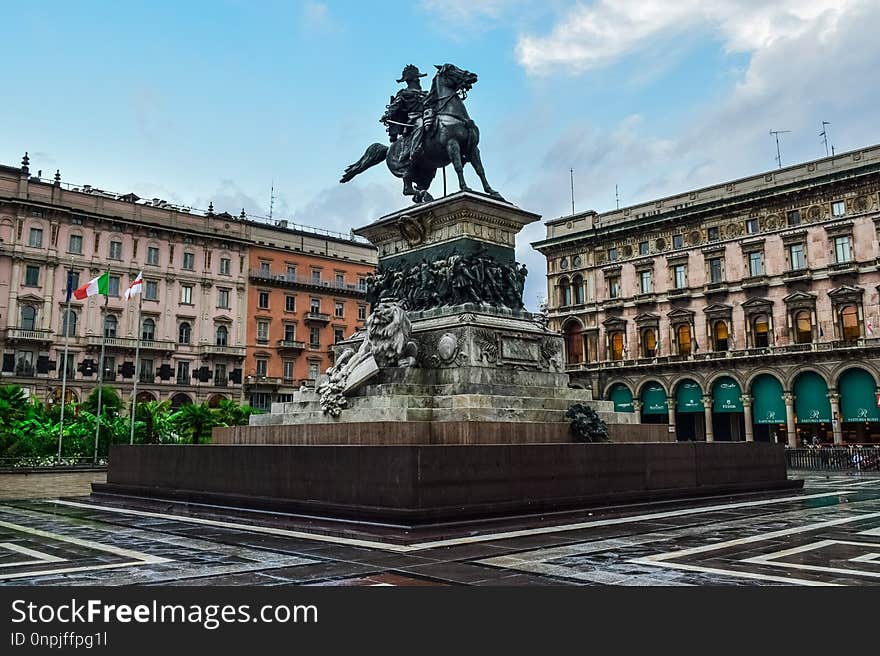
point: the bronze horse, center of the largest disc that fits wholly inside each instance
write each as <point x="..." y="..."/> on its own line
<point x="452" y="138"/>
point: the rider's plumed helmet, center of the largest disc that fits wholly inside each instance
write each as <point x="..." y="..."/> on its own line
<point x="410" y="72"/>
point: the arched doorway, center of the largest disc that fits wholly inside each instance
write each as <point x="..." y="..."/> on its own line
<point x="728" y="418"/>
<point x="768" y="409"/>
<point x="179" y="400"/>
<point x="655" y="409"/>
<point x="622" y="397"/>
<point x="214" y="401"/>
<point x="859" y="414"/>
<point x="574" y="343"/>
<point x="812" y="409"/>
<point x="690" y="423"/>
<point x="143" y="397"/>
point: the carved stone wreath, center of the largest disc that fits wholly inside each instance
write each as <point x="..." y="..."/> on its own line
<point x="488" y="345"/>
<point x="550" y="348"/>
<point x="441" y="350"/>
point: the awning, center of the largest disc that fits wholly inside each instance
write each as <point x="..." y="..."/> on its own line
<point x="811" y="404"/>
<point x="654" y="400"/>
<point x="858" y="397"/>
<point x="688" y="397"/>
<point x="726" y="396"/>
<point x="622" y="397"/>
<point x="768" y="406"/>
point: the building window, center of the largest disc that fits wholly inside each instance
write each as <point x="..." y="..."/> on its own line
<point x="184" y="332"/>
<point x="115" y="252"/>
<point x="716" y="269"/>
<point x="314" y="337"/>
<point x="153" y="255"/>
<point x="612" y="254"/>
<point x="679" y="275"/>
<point x="208" y="259"/>
<point x="291" y="273"/>
<point x="614" y="287"/>
<point x="75" y="244"/>
<point x="714" y="233"/>
<point x="223" y="298"/>
<point x="222" y="335"/>
<point x="578" y="287"/>
<point x="838" y="208"/>
<point x="28" y="317"/>
<point x="31" y="276"/>
<point x="220" y="378"/>
<point x="264" y="268"/>
<point x="683" y="333"/>
<point x="290" y="303"/>
<point x="151" y="290"/>
<point x="148" y="331"/>
<point x="616" y="340"/>
<point x="110" y="324"/>
<point x="849" y="323"/>
<point x="362" y="312"/>
<point x="315" y="307"/>
<point x="362" y="284"/>
<point x="340" y="280"/>
<point x="338" y="310"/>
<point x="189" y="261"/>
<point x="756" y="263"/>
<point x="68" y="323"/>
<point x="797" y="256"/>
<point x="313" y="370"/>
<point x="262" y="367"/>
<point x="109" y="367"/>
<point x="644" y="249"/>
<point x="843" y="249"/>
<point x="289" y="332"/>
<point x="182" y="372"/>
<point x="186" y="294"/>
<point x="794" y="217"/>
<point x="288" y="371"/>
<point x="752" y="226"/>
<point x="803" y="327"/>
<point x="262" y="332"/>
<point x="677" y="241"/>
<point x="316" y="276"/>
<point x="113" y="286"/>
<point x="71" y="365"/>
<point x="564" y="292"/>
<point x="649" y="343"/>
<point x="338" y="335"/>
<point x="35" y="239"/>
<point x="645" y="283"/>
<point x="761" y="325"/>
<point x="147" y="375"/>
<point x="720" y="335"/>
<point x="225" y="266"/>
<point x="263" y="300"/>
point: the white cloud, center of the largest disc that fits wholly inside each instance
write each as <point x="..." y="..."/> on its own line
<point x="592" y="36"/>
<point x="469" y="11"/>
<point x="316" y="15"/>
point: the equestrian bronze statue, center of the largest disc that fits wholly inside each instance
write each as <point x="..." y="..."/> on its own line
<point x="427" y="131"/>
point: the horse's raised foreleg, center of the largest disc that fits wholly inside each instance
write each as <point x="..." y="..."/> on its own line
<point x="477" y="163"/>
<point x="454" y="150"/>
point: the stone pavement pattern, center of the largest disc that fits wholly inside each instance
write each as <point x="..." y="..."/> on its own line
<point x="828" y="534"/>
<point x="44" y="485"/>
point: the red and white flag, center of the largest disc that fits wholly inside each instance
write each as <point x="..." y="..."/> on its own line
<point x="136" y="286"/>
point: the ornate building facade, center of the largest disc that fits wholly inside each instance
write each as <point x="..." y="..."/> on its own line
<point x="306" y="291"/>
<point x="742" y="311"/>
<point x="199" y="302"/>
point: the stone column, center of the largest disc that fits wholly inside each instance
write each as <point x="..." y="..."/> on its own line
<point x="747" y="412"/>
<point x="836" y="427"/>
<point x="788" y="397"/>
<point x="48" y="312"/>
<point x="637" y="409"/>
<point x="670" y="405"/>
<point x="12" y="318"/>
<point x="707" y="413"/>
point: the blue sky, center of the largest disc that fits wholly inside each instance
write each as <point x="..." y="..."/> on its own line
<point x="213" y="101"/>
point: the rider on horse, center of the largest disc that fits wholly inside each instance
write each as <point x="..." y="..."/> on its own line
<point x="405" y="115"/>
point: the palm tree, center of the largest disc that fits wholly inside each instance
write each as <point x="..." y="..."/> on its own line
<point x="196" y="419"/>
<point x="154" y="416"/>
<point x="232" y="414"/>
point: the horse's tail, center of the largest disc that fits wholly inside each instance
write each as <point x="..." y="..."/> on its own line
<point x="373" y="155"/>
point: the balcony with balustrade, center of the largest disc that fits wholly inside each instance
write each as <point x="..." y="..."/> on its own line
<point x="129" y="343"/>
<point x="217" y="350"/>
<point x="25" y="335"/>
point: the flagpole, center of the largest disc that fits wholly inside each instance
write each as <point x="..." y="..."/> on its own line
<point x="137" y="365"/>
<point x="101" y="375"/>
<point x="65" y="324"/>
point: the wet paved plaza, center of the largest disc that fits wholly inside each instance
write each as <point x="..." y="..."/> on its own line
<point x="828" y="534"/>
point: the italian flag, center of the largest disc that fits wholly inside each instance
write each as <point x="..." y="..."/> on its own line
<point x="99" y="285"/>
<point x="135" y="287"/>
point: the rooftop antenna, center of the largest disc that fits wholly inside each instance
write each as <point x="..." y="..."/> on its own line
<point x="824" y="135"/>
<point x="571" y="174"/>
<point x="271" y="200"/>
<point x="776" y="134"/>
<point x="616" y="197"/>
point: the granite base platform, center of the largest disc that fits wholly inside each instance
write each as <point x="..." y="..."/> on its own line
<point x="416" y="484"/>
